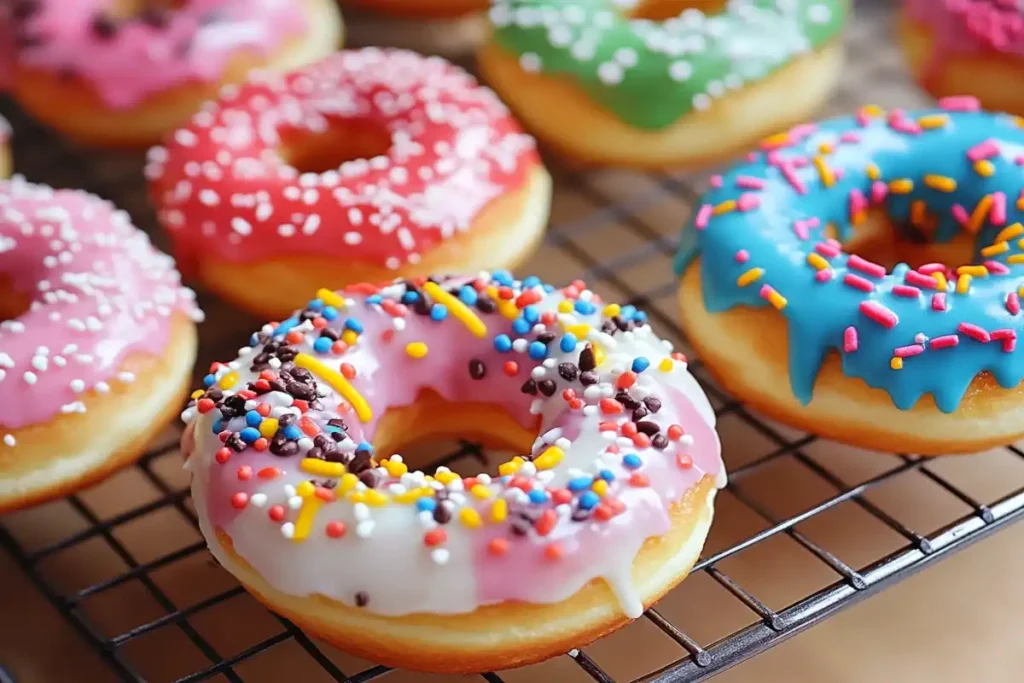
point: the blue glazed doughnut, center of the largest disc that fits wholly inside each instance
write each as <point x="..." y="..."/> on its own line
<point x="771" y="233"/>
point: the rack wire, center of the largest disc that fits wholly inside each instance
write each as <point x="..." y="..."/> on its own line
<point x="596" y="213"/>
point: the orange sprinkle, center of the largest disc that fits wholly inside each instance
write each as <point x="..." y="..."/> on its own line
<point x="994" y="249"/>
<point x="497" y="546"/>
<point x="980" y="213"/>
<point x="553" y="551"/>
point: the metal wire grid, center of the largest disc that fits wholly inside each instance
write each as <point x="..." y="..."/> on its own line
<point x="44" y="157"/>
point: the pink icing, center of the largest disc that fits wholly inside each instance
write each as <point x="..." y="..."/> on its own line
<point x="126" y="60"/>
<point x="99" y="291"/>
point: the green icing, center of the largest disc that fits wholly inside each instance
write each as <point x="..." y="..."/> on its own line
<point x="651" y="73"/>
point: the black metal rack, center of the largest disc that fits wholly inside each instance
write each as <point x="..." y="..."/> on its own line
<point x="874" y="72"/>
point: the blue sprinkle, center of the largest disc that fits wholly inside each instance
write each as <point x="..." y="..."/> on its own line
<point x="589" y="500"/>
<point x="426" y="504"/>
<point x="502" y="343"/>
<point x="209" y="380"/>
<point x="218" y="426"/>
<point x="364" y="446"/>
<point x="549" y="288"/>
<point x="538" y="351"/>
<point x="354" y="325"/>
<point x="315" y="304"/>
<point x="607" y="475"/>
<point x="410" y="297"/>
<point x="568" y="343"/>
<point x="329" y="312"/>
<point x="538" y="496"/>
<point x="438" y="312"/>
<point x="253" y="419"/>
<point x="292" y="432"/>
<point x="503" y="277"/>
<point x="640" y="317"/>
<point x="584" y="307"/>
<point x="374" y="299"/>
<point x="632" y="461"/>
<point x="521" y="326"/>
<point x="531" y="313"/>
<point x="640" y="364"/>
<point x="285" y="327"/>
<point x="254" y="339"/>
<point x="627" y="312"/>
<point x="531" y="281"/>
<point x="249" y="434"/>
<point x="468" y="295"/>
<point x="580" y="484"/>
<point x="322" y="345"/>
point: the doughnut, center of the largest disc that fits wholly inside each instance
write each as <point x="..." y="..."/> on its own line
<point x="903" y="229"/>
<point x="662" y="86"/>
<point x="299" y="492"/>
<point x="97" y="341"/>
<point x="124" y="73"/>
<point x="967" y="46"/>
<point x="382" y="162"/>
<point x="422" y="9"/>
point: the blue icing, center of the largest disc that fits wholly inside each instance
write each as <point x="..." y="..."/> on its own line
<point x="818" y="313"/>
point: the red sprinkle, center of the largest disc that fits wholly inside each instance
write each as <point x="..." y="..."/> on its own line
<point x="521" y="483"/>
<point x="607" y="427"/>
<point x="879" y="313"/>
<point x="907" y="291"/>
<point x="261" y="444"/>
<point x="576" y="404"/>
<point x="323" y="494"/>
<point x="908" y="351"/>
<point x="239" y="500"/>
<point x="348" y="371"/>
<point x="857" y="282"/>
<point x="684" y="461"/>
<point x="336" y="529"/>
<point x="263" y="409"/>
<point x="742" y="256"/>
<point x="609" y="406"/>
<point x="675" y="432"/>
<point x="944" y="342"/>
<point x="294" y="337"/>
<point x="244" y="473"/>
<point x="1013" y="303"/>
<point x="246" y="394"/>
<point x="511" y="368"/>
<point x="223" y="455"/>
<point x="205" y="405"/>
<point x="642" y="441"/>
<point x="553" y="551"/>
<point x="549" y="318"/>
<point x="546" y="522"/>
<point x="303" y="406"/>
<point x="528" y="297"/>
<point x="629" y="429"/>
<point x="276" y="512"/>
<point x="569" y="394"/>
<point x="626" y="380"/>
<point x="269" y="473"/>
<point x="865" y="266"/>
<point x="638" y="480"/>
<point x="435" y="537"/>
<point x="939" y="301"/>
<point x="561" y="496"/>
<point x="850" y="340"/>
<point x="497" y="546"/>
<point x="308" y="427"/>
<point x="974" y="332"/>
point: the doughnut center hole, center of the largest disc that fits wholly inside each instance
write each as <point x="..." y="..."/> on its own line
<point x="660" y="10"/>
<point x="13" y="302"/>
<point x="887" y="243"/>
<point x="343" y="140"/>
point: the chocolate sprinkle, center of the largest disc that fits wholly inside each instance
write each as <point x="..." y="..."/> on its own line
<point x="529" y="387"/>
<point x="362" y="599"/>
<point x="653" y="404"/>
<point x="442" y="513"/>
<point x="547" y="387"/>
<point x="588" y="378"/>
<point x="568" y="372"/>
<point x="587" y="360"/>
<point x="660" y="442"/>
<point x="370" y="477"/>
<point x="477" y="369"/>
<point x="648" y="428"/>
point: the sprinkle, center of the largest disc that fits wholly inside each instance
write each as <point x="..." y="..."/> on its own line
<point x="944" y="342"/>
<point x="907" y="291"/>
<point x="748" y="202"/>
<point x="1013" y="303"/>
<point x="304" y="522"/>
<point x="497" y="547"/>
<point x="336" y="529"/>
<point x="908" y="351"/>
<point x="746" y="182"/>
<point x="749" y="277"/>
<point x="703" y="216"/>
<point x="828" y="176"/>
<point x="932" y="121"/>
<point x="939" y="301"/>
<point x="857" y="282"/>
<point x="725" y="207"/>
<point x="229" y="380"/>
<point x="980" y="213"/>
<point x="965" y="103"/>
<point x="338" y="383"/>
<point x="1010" y="232"/>
<point x="913" y="277"/>
<point x="879" y="191"/>
<point x="331" y="299"/>
<point x="998" y="214"/>
<point x="896" y="363"/>
<point x="322" y="468"/>
<point x="996" y="249"/>
<point x="499" y="510"/>
<point x="416" y="349"/>
<point x="470" y="518"/>
<point x="879" y="314"/>
<point x="973" y="271"/>
<point x="1015" y="259"/>
<point x="872" y="170"/>
<point x="850" y="340"/>
<point x="549" y="459"/>
<point x="866" y="266"/>
<point x="963" y="284"/>
<point x="435" y="537"/>
<point x="773" y="297"/>
<point x="901" y="186"/>
<point x="985" y="168"/>
<point x="974" y="332"/>
<point x="817" y="260"/>
<point x="459" y="310"/>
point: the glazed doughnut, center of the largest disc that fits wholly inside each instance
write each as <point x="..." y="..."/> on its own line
<point x="662" y="86"/>
<point x="300" y="496"/>
<point x="125" y="73"/>
<point x="97" y="341"/>
<point x="422" y="9"/>
<point x="370" y="164"/>
<point x="967" y="46"/>
<point x="833" y="256"/>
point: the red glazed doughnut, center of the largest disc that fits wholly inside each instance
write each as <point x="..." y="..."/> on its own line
<point x="440" y="178"/>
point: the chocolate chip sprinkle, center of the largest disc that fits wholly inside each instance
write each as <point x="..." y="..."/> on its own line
<point x="362" y="599"/>
<point x="648" y="428"/>
<point x="547" y="387"/>
<point x="568" y="372"/>
<point x="660" y="442"/>
<point x="587" y="359"/>
<point x="588" y="378"/>
<point x="529" y="387"/>
<point x="653" y="404"/>
<point x="477" y="369"/>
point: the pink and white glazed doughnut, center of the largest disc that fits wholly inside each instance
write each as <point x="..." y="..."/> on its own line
<point x="973" y="47"/>
<point x="97" y="341"/>
<point x="124" y="72"/>
<point x="299" y="493"/>
<point x="369" y="164"/>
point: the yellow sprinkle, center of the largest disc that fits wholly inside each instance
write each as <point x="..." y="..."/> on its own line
<point x="1017" y="258"/>
<point x="511" y="467"/>
<point x="357" y="497"/>
<point x="549" y="458"/>
<point x="817" y="260"/>
<point x="896" y="363"/>
<point x="994" y="249"/>
<point x="1020" y="243"/>
<point x="901" y="186"/>
<point x="197" y="393"/>
<point x="963" y="284"/>
<point x="933" y="121"/>
<point x="268" y="427"/>
<point x="941" y="183"/>
<point x="826" y="148"/>
<point x="776" y="139"/>
<point x="350" y="337"/>
<point x="1009" y="232"/>
<point x="828" y="176"/>
<point x="229" y="380"/>
<point x="338" y="383"/>
<point x="599" y="355"/>
<point x="499" y="511"/>
<point x="611" y="310"/>
<point x="973" y="271"/>
<point x="395" y="468"/>
<point x="412" y="495"/>
<point x="416" y="349"/>
<point x="918" y="212"/>
<point x="331" y="299"/>
<point x="579" y="331"/>
<point x="1020" y="292"/>
<point x="1020" y="202"/>
<point x="666" y="365"/>
<point x="304" y="520"/>
<point x="446" y="477"/>
<point x="321" y="468"/>
<point x="375" y="498"/>
<point x="480" y="491"/>
<point x="725" y="207"/>
<point x="873" y="171"/>
<point x="941" y="279"/>
<point x="565" y="306"/>
<point x="777" y="300"/>
<point x="750" y="277"/>
<point x="985" y="168"/>
<point x="470" y="518"/>
<point x="1019" y="120"/>
<point x="980" y="213"/>
<point x="347" y="483"/>
<point x="458" y="310"/>
<point x="872" y="110"/>
<point x="600" y="487"/>
<point x="305" y="489"/>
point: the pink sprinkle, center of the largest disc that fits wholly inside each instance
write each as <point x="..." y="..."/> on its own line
<point x="983" y="150"/>
<point x="838" y="173"/>
<point x="857" y="282"/>
<point x="746" y="182"/>
<point x="997" y="216"/>
<point x="902" y="125"/>
<point x="904" y="290"/>
<point x="944" y="342"/>
<point x="792" y="178"/>
<point x="803" y="130"/>
<point x="1013" y="303"/>
<point x="800" y="228"/>
<point x="1008" y="337"/>
<point x="703" y="217"/>
<point x="823" y="275"/>
<point x="996" y="268"/>
<point x="827" y="250"/>
<point x="908" y="351"/>
<point x="850" y="341"/>
<point x="858" y="202"/>
<point x="960" y="103"/>
<point x="850" y="136"/>
<point x="800" y="162"/>
<point x="939" y="301"/>
<point x="863" y="119"/>
<point x="1019" y="160"/>
<point x="742" y="256"/>
<point x="775" y="159"/>
<point x="879" y="191"/>
<point x="960" y="214"/>
<point x="751" y="157"/>
<point x="748" y="201"/>
<point x="915" y="278"/>
<point x="865" y="266"/>
<point x="930" y="268"/>
<point x="716" y="181"/>
<point x="974" y="332"/>
<point x="879" y="313"/>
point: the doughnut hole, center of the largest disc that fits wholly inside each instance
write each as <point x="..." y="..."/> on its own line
<point x="342" y="140"/>
<point x="13" y="302"/>
<point x="659" y="10"/>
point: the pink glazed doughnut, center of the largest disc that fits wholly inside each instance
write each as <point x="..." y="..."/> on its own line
<point x="97" y="341"/>
<point x="119" y="73"/>
<point x="299" y="494"/>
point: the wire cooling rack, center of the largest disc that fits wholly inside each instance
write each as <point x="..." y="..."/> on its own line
<point x="617" y="230"/>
